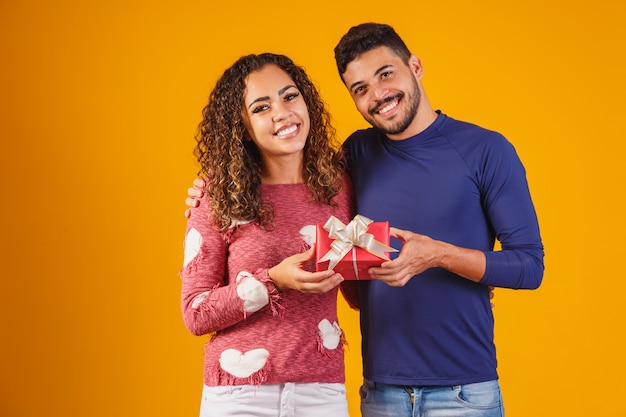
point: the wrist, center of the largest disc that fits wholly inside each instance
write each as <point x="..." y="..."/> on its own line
<point x="271" y="273"/>
<point x="445" y="255"/>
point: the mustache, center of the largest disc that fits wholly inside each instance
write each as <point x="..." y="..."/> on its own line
<point x="381" y="103"/>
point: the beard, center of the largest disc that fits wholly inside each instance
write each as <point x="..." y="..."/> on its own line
<point x="391" y="127"/>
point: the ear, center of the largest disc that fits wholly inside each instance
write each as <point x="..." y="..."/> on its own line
<point x="416" y="66"/>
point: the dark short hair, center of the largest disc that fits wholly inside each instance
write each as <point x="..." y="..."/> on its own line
<point x="365" y="37"/>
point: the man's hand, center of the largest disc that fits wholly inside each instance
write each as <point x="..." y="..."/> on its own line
<point x="419" y="253"/>
<point x="193" y="195"/>
<point x="289" y="274"/>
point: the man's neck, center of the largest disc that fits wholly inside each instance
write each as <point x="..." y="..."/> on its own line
<point x="425" y="117"/>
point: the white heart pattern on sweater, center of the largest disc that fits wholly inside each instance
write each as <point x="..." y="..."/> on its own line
<point x="193" y="242"/>
<point x="253" y="293"/>
<point x="242" y="365"/>
<point x="308" y="234"/>
<point x="330" y="333"/>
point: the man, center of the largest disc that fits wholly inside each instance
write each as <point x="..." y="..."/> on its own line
<point x="450" y="189"/>
<point x="456" y="187"/>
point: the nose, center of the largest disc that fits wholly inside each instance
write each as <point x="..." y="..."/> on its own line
<point x="280" y="111"/>
<point x="379" y="92"/>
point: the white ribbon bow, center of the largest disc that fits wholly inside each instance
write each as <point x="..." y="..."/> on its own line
<point x="349" y="236"/>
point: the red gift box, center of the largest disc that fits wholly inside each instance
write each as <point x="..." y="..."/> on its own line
<point x="363" y="243"/>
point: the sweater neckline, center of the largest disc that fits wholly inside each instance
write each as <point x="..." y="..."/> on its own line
<point x="426" y="134"/>
<point x="285" y="185"/>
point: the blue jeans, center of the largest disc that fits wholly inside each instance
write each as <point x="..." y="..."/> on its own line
<point x="482" y="399"/>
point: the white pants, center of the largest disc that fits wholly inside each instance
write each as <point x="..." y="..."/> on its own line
<point x="275" y="400"/>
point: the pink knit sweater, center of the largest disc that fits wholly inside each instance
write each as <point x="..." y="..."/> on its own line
<point x="260" y="335"/>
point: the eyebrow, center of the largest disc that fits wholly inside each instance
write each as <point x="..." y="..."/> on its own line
<point x="378" y="71"/>
<point x="280" y="93"/>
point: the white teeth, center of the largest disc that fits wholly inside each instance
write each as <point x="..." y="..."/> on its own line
<point x="388" y="107"/>
<point x="287" y="131"/>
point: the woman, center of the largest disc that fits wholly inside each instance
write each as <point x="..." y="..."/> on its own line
<point x="272" y="173"/>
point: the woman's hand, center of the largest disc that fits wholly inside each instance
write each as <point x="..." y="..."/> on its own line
<point x="289" y="274"/>
<point x="194" y="194"/>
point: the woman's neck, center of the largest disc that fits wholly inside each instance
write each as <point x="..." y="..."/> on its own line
<point x="282" y="171"/>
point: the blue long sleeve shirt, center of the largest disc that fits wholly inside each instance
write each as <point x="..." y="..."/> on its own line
<point x="465" y="185"/>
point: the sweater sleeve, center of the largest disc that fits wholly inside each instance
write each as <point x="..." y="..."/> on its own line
<point x="510" y="209"/>
<point x="210" y="301"/>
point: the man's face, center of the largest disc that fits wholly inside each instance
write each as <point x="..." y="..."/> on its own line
<point x="385" y="90"/>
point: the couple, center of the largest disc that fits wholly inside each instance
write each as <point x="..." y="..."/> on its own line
<point x="272" y="171"/>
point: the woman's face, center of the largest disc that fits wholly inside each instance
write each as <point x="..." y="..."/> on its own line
<point x="275" y="113"/>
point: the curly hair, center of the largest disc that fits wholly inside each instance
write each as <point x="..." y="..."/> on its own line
<point x="231" y="165"/>
<point x="365" y="37"/>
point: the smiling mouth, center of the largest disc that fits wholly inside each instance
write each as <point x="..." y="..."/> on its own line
<point x="387" y="105"/>
<point x="286" y="131"/>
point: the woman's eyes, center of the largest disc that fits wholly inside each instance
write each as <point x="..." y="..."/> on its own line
<point x="287" y="97"/>
<point x="291" y="96"/>
<point x="260" y="108"/>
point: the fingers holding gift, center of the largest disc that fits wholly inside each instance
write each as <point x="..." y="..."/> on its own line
<point x="289" y="274"/>
<point x="418" y="253"/>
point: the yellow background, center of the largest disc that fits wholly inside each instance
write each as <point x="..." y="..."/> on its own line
<point x="99" y="102"/>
